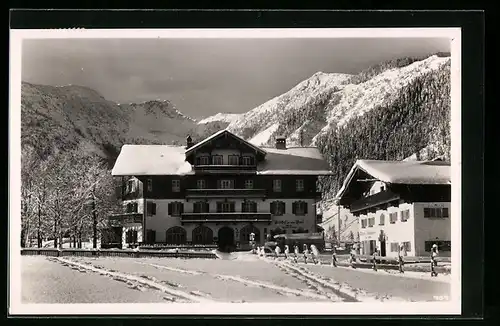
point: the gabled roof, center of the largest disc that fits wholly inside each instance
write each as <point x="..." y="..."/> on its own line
<point x="294" y="160"/>
<point x="151" y="160"/>
<point x="219" y="133"/>
<point x="401" y="172"/>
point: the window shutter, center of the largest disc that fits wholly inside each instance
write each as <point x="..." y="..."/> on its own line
<point x="254" y="207"/>
<point x="446" y="213"/>
<point x="127" y="237"/>
<point x="294" y="207"/>
<point x="207" y="207"/>
<point x="219" y="184"/>
<point x="181" y="207"/>
<point x="170" y="209"/>
<point x="153" y="236"/>
<point x="243" y="206"/>
<point x="153" y="208"/>
<point x="232" y="207"/>
<point x="272" y="207"/>
<point x="282" y="204"/>
<point x="305" y="207"/>
<point x="240" y="160"/>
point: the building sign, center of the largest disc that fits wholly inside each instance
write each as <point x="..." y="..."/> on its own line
<point x="367" y="235"/>
<point x="288" y="224"/>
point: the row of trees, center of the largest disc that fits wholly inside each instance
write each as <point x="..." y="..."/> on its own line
<point x="418" y="117"/>
<point x="64" y="194"/>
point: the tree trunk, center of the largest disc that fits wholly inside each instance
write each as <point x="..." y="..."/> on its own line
<point x="74" y="237"/>
<point x="94" y="220"/>
<point x="80" y="239"/>
<point x="39" y="227"/>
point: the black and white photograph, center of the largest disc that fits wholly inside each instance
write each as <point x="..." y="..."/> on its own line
<point x="235" y="171"/>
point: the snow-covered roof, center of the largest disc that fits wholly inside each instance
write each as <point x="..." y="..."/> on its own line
<point x="170" y="160"/>
<point x="218" y="133"/>
<point x="151" y="160"/>
<point x="402" y="172"/>
<point x="294" y="160"/>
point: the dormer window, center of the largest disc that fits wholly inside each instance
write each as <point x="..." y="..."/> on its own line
<point x="217" y="160"/>
<point x="248" y="160"/>
<point x="233" y="159"/>
<point x="203" y="160"/>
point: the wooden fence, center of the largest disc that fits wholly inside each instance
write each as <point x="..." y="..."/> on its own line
<point x="115" y="253"/>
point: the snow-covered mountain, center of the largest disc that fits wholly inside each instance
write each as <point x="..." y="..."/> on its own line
<point x="70" y="116"/>
<point x="221" y="117"/>
<point x="322" y="101"/>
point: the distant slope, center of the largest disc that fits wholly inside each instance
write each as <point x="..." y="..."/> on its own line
<point x="59" y="118"/>
<point x="221" y="117"/>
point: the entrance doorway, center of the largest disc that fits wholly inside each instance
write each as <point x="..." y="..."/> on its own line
<point x="225" y="238"/>
<point x="382" y="248"/>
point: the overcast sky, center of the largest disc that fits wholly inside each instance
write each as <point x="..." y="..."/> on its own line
<point x="205" y="76"/>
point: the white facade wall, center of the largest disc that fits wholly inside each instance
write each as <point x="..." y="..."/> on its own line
<point x="397" y="232"/>
<point x="427" y="229"/>
<point x="162" y="221"/>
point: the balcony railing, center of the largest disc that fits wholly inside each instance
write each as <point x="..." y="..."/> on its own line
<point x="225" y="193"/>
<point x="117" y="220"/>
<point x="225" y="168"/>
<point x="372" y="201"/>
<point x="225" y="217"/>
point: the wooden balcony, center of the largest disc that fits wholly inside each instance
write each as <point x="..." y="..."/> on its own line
<point x="225" y="217"/>
<point x="225" y="193"/>
<point x="118" y="220"/>
<point x="375" y="201"/>
<point x="225" y="168"/>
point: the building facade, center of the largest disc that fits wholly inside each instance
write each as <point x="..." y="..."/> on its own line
<point x="217" y="191"/>
<point x="400" y="203"/>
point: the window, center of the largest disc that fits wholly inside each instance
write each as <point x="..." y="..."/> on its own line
<point x="277" y="208"/>
<point x="277" y="185"/>
<point x="225" y="184"/>
<point x="442" y="245"/>
<point x="299" y="208"/>
<point x="299" y="185"/>
<point x="382" y="219"/>
<point x="131" y="236"/>
<point x="382" y="188"/>
<point x="394" y="246"/>
<point x="248" y="160"/>
<point x="225" y="207"/>
<point x="436" y="212"/>
<point x="202" y="235"/>
<point x="217" y="160"/>
<point x="405" y="215"/>
<point x="150" y="236"/>
<point x="203" y="160"/>
<point x="363" y="223"/>
<point x="371" y="222"/>
<point x="249" y="184"/>
<point x="407" y="246"/>
<point x="175" y="209"/>
<point x="234" y="160"/>
<point x="150" y="184"/>
<point x="249" y="207"/>
<point x="132" y="207"/>
<point x="200" y="184"/>
<point x="176" y="185"/>
<point x="200" y="207"/>
<point x="131" y="186"/>
<point x="176" y="235"/>
<point x="150" y="208"/>
<point x="393" y="217"/>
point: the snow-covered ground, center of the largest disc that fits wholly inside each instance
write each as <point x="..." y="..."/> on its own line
<point x="236" y="277"/>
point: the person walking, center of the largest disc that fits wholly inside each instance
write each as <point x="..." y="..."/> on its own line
<point x="334" y="257"/>
<point x="277" y="251"/>
<point x="296" y="251"/>
<point x="434" y="254"/>
<point x="287" y="252"/>
<point x="401" y="254"/>
<point x="352" y="258"/>
<point x="305" y="252"/>
<point x="314" y="254"/>
<point x="374" y="260"/>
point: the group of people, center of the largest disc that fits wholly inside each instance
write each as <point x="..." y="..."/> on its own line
<point x="306" y="252"/>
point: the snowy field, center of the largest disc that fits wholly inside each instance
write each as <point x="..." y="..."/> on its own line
<point x="241" y="277"/>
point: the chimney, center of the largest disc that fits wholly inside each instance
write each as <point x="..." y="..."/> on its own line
<point x="189" y="142"/>
<point x="280" y="142"/>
